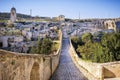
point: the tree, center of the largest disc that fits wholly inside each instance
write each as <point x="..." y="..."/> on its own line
<point x="87" y="37"/>
<point x="85" y="51"/>
<point x="111" y="43"/>
<point x="46" y="46"/>
<point x="97" y="52"/>
<point x="43" y="47"/>
<point x="55" y="46"/>
<point x="76" y="41"/>
<point x="107" y="50"/>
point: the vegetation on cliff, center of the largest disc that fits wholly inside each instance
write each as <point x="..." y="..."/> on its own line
<point x="45" y="46"/>
<point x="107" y="50"/>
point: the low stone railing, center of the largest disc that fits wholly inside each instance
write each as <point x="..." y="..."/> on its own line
<point x="95" y="71"/>
<point x="20" y="66"/>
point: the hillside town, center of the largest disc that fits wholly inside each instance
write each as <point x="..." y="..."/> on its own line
<point x="59" y="40"/>
<point x="20" y="36"/>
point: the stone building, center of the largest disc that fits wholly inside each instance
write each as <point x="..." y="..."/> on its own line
<point x="111" y="24"/>
<point x="61" y="18"/>
<point x="117" y="25"/>
<point x="4" y="41"/>
<point x="13" y="15"/>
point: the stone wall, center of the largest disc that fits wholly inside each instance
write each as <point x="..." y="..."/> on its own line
<point x="111" y="70"/>
<point x="95" y="71"/>
<point x="19" y="66"/>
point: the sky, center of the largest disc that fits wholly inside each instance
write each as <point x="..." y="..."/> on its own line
<point x="70" y="8"/>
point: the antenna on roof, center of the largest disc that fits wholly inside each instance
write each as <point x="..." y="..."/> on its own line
<point x="79" y="15"/>
<point x="31" y="12"/>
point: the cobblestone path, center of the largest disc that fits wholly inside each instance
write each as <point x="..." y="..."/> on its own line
<point x="66" y="69"/>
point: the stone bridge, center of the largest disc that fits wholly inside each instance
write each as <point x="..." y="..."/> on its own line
<point x="64" y="65"/>
<point x="66" y="69"/>
<point x="19" y="66"/>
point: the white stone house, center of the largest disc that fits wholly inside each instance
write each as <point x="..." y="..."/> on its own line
<point x="18" y="38"/>
<point x="111" y="24"/>
<point x="42" y="35"/>
<point x="29" y="35"/>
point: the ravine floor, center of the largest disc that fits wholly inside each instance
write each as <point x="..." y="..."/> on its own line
<point x="66" y="69"/>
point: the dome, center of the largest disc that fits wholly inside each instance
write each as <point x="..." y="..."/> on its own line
<point x="13" y="9"/>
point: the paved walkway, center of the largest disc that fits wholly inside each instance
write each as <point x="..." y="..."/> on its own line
<point x="66" y="69"/>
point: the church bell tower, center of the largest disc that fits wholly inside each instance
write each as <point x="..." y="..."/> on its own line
<point x="13" y="15"/>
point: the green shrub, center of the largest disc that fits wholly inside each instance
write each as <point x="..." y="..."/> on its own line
<point x="55" y="47"/>
<point x="111" y="45"/>
<point x="107" y="50"/>
<point x="87" y="37"/>
<point x="76" y="41"/>
<point x="43" y="47"/>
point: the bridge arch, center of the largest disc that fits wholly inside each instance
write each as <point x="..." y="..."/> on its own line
<point x="34" y="74"/>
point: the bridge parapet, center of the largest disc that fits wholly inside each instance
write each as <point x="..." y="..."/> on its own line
<point x="95" y="71"/>
<point x="20" y="66"/>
